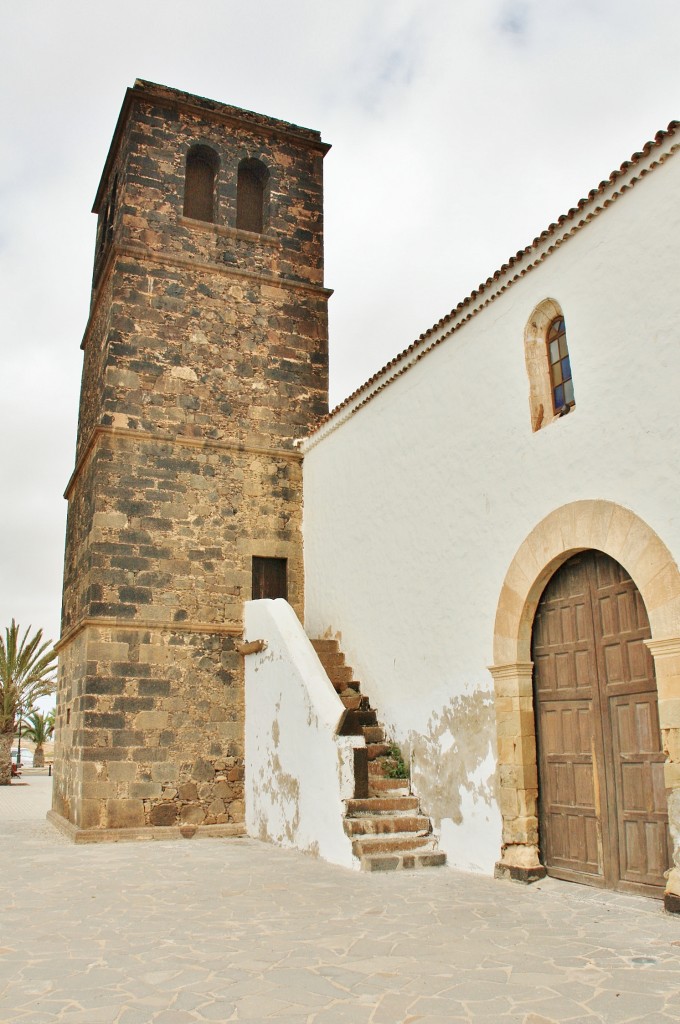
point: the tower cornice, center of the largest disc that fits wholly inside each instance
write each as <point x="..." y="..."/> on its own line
<point x="177" y="100"/>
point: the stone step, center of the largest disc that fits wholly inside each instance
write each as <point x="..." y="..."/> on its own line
<point x="382" y="785"/>
<point x="398" y="842"/>
<point x="385" y="837"/>
<point x="373" y="734"/>
<point x="331" y="659"/>
<point x="378" y="824"/>
<point x="326" y="646"/>
<point x="352" y="685"/>
<point x="381" y="805"/>
<point x="339" y="673"/>
<point x="382" y="765"/>
<point x="352" y="700"/>
<point x="403" y="861"/>
<point x="350" y="726"/>
<point x="366" y="716"/>
<point x="376" y="750"/>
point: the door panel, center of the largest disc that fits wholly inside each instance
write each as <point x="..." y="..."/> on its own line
<point x="640" y="796"/>
<point x="269" y="578"/>
<point x="602" y="799"/>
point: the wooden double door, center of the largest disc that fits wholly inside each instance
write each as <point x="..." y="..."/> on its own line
<point x="602" y="803"/>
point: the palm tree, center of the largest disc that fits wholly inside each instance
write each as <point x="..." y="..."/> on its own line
<point x="26" y="673"/>
<point x="38" y="728"/>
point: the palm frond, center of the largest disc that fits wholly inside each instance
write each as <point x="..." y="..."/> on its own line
<point x="27" y="665"/>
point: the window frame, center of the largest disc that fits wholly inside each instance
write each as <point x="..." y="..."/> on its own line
<point x="556" y="367"/>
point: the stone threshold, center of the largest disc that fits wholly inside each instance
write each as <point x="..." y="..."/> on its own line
<point x="229" y="830"/>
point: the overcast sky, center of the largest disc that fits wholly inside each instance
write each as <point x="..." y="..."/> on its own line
<point x="460" y="129"/>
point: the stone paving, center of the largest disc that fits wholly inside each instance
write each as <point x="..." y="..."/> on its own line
<point x="233" y="930"/>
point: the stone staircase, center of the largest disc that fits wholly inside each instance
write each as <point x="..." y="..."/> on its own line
<point x="388" y="831"/>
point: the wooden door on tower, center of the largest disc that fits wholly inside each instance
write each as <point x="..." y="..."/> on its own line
<point x="602" y="803"/>
<point x="270" y="578"/>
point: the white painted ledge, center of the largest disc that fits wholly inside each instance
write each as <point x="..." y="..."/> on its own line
<point x="298" y="770"/>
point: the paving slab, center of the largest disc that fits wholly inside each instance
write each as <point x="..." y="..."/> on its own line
<point x="175" y="932"/>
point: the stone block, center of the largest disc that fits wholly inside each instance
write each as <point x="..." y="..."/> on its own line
<point x="507" y="775"/>
<point x="97" y="790"/>
<point x="127" y="739"/>
<point x="669" y="713"/>
<point x="188" y="791"/>
<point x="124" y="813"/>
<point x="89" y="813"/>
<point x="90" y="772"/>
<point x="153" y="688"/>
<point x="149" y="720"/>
<point x="109" y="521"/>
<point x="103" y="720"/>
<point x="192" y="814"/>
<point x="203" y="771"/>
<point x="527" y="725"/>
<point x="163" y="814"/>
<point x="164" y="771"/>
<point x="236" y="810"/>
<point x="107" y="651"/>
<point x="122" y="378"/>
<point x="508" y="725"/>
<point x="509" y="801"/>
<point x="527" y="801"/>
<point x="121" y="771"/>
<point x="520" y="830"/>
<point x="671" y="773"/>
<point x="667" y="683"/>
<point x="145" y="790"/>
<point x="230" y="730"/>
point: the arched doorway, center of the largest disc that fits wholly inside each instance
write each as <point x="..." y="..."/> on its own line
<point x="602" y="801"/>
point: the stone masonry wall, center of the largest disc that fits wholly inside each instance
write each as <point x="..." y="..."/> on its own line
<point x="205" y="358"/>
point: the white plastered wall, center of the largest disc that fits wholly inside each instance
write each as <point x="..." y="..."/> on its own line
<point x="416" y="505"/>
<point x="298" y="772"/>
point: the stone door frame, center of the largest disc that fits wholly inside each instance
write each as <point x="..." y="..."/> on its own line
<point x="575" y="527"/>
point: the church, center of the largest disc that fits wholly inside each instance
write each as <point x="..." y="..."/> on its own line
<point x="439" y="624"/>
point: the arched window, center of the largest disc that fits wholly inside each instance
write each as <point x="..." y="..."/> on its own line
<point x="551" y="388"/>
<point x="561" y="383"/>
<point x="250" y="195"/>
<point x="199" y="183"/>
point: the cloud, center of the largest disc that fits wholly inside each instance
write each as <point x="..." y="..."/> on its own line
<point x="460" y="129"/>
<point x="514" y="19"/>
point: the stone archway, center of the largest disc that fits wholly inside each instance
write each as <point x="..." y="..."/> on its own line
<point x="621" y="534"/>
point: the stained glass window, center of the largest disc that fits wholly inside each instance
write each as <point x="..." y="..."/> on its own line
<point x="561" y="383"/>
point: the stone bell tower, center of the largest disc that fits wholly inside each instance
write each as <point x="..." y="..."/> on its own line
<point x="205" y="356"/>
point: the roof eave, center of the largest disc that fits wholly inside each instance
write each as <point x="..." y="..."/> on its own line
<point x="620" y="180"/>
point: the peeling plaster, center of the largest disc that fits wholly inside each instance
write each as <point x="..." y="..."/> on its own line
<point x="298" y="771"/>
<point x="453" y="763"/>
<point x="674" y="824"/>
<point x="284" y="789"/>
